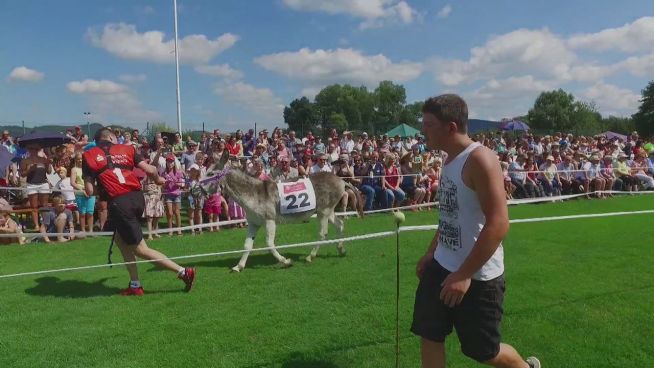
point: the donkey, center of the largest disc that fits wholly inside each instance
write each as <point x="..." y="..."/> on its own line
<point x="260" y="200"/>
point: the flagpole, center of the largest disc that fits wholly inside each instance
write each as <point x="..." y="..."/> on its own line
<point x="179" y="109"/>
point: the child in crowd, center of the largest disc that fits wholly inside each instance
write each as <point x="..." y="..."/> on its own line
<point x="173" y="193"/>
<point x="508" y="186"/>
<point x="214" y="206"/>
<point x="67" y="192"/>
<point x="9" y="226"/>
<point x="196" y="198"/>
<point x="154" y="206"/>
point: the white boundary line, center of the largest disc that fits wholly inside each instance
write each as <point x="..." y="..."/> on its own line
<point x="331" y="241"/>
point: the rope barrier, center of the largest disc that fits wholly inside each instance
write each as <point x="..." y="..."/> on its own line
<point x="347" y="213"/>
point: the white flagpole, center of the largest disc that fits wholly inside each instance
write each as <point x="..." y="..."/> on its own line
<point x="179" y="109"/>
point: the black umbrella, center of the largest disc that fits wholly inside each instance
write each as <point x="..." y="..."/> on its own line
<point x="44" y="139"/>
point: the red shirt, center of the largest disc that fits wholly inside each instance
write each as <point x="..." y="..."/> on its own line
<point x="115" y="178"/>
<point x="392" y="176"/>
<point x="233" y="150"/>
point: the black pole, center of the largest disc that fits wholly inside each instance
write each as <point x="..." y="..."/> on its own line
<point x="23" y="127"/>
<point x="397" y="296"/>
<point x="203" y="131"/>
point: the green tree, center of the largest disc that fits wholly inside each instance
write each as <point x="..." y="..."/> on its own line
<point x="553" y="110"/>
<point x="618" y="124"/>
<point x="389" y="100"/>
<point x="411" y="114"/>
<point x="585" y="118"/>
<point x="336" y="121"/>
<point x="644" y="118"/>
<point x="301" y="115"/>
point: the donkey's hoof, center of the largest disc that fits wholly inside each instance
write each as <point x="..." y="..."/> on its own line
<point x="341" y="251"/>
<point x="309" y="259"/>
<point x="286" y="263"/>
<point x="236" y="268"/>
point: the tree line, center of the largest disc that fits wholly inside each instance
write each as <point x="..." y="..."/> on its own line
<point x="345" y="107"/>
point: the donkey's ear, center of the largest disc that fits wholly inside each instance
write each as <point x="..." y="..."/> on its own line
<point x="224" y="159"/>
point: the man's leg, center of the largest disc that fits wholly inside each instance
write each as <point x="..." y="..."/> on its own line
<point x="432" y="354"/>
<point x="60" y="225"/>
<point x="508" y="357"/>
<point x="143" y="251"/>
<point x="128" y="256"/>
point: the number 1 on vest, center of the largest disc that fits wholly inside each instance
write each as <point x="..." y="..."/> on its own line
<point x="119" y="175"/>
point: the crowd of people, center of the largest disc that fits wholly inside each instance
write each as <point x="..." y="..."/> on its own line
<point x="389" y="172"/>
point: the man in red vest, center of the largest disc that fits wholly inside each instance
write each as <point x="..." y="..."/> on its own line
<point x="108" y="171"/>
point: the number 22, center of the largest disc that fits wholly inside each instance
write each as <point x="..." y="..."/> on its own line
<point x="303" y="196"/>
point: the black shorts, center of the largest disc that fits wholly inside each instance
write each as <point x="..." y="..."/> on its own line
<point x="125" y="215"/>
<point x="477" y="319"/>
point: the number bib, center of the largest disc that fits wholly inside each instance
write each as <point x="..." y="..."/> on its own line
<point x="296" y="197"/>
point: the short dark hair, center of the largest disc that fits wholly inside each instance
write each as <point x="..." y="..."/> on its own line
<point x="103" y="134"/>
<point x="447" y="108"/>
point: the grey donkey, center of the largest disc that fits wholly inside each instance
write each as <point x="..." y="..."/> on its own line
<point x="260" y="200"/>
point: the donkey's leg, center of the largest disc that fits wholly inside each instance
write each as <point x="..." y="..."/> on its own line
<point x="270" y="241"/>
<point x="249" y="244"/>
<point x="323" y="221"/>
<point x="339" y="224"/>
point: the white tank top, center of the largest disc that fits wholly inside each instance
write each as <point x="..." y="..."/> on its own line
<point x="461" y="221"/>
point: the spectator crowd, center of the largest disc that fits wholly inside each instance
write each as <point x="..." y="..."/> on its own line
<point x="388" y="171"/>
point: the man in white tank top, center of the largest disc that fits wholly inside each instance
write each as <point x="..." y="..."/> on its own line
<point x="462" y="273"/>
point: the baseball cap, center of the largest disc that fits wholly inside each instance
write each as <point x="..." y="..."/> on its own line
<point x="170" y="157"/>
<point x="194" y="167"/>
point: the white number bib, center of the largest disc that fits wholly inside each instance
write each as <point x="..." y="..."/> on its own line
<point x="296" y="197"/>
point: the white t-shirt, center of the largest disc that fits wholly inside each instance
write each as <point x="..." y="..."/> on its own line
<point x="66" y="190"/>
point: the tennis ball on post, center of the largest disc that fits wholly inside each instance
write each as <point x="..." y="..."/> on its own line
<point x="399" y="217"/>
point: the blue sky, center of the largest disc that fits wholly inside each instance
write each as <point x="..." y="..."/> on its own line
<point x="242" y="64"/>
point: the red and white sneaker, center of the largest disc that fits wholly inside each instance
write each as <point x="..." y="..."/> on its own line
<point x="130" y="291"/>
<point x="188" y="278"/>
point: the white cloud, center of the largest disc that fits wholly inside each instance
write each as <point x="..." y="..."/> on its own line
<point x="632" y="37"/>
<point x="148" y="10"/>
<point x="133" y="78"/>
<point x="112" y="100"/>
<point x="522" y="51"/>
<point x="223" y="70"/>
<point x="502" y="98"/>
<point x="261" y="101"/>
<point x="338" y="66"/>
<point x="22" y="73"/>
<point x="124" y="41"/>
<point x="445" y="11"/>
<point x="96" y="87"/>
<point x="612" y="99"/>
<point x="642" y="66"/>
<point x="374" y="12"/>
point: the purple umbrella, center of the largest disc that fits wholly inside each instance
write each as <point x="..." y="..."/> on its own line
<point x="514" y="125"/>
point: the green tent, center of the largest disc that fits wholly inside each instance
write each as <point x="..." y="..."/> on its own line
<point x="403" y="131"/>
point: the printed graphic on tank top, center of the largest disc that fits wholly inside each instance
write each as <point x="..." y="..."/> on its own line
<point x="461" y="220"/>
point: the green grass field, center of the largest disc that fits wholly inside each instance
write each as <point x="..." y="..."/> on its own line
<point x="579" y="294"/>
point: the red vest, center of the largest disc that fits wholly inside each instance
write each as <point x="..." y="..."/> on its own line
<point x="113" y="168"/>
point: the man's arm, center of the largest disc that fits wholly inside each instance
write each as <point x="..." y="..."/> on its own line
<point x="151" y="171"/>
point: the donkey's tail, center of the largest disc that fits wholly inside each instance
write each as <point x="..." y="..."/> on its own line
<point x="357" y="192"/>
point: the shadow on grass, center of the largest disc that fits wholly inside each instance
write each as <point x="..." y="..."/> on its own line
<point x="299" y="360"/>
<point x="259" y="259"/>
<point x="53" y="286"/>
